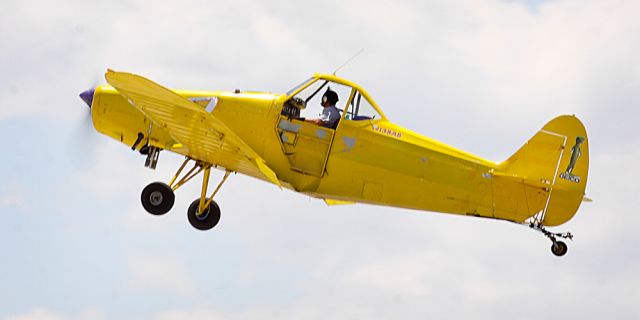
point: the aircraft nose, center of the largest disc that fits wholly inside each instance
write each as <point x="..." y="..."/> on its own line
<point x="87" y="96"/>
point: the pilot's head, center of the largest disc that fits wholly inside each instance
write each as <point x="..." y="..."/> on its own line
<point x="329" y="98"/>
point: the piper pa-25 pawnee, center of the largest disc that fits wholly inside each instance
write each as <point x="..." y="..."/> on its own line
<point x="363" y="158"/>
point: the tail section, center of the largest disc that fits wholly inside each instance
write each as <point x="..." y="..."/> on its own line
<point x="551" y="170"/>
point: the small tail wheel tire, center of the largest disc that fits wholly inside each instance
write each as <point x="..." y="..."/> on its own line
<point x="205" y="220"/>
<point x="559" y="248"/>
<point x="157" y="198"/>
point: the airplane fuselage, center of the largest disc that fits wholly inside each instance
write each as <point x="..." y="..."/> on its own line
<point x="370" y="161"/>
<point x="363" y="158"/>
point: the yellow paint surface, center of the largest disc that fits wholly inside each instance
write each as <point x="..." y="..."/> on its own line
<point x="367" y="160"/>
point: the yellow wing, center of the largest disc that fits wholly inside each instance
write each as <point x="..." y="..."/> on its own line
<point x="204" y="136"/>
<point x="336" y="202"/>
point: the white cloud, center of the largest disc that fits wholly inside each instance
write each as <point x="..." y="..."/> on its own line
<point x="14" y="195"/>
<point x="195" y="313"/>
<point x="483" y="76"/>
<point x="137" y="220"/>
<point x="108" y="168"/>
<point x="166" y="274"/>
<point x="37" y="314"/>
<point x="12" y="200"/>
<point x="45" y="314"/>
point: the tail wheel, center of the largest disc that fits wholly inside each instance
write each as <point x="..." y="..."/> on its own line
<point x="559" y="248"/>
<point x="157" y="198"/>
<point x="205" y="220"/>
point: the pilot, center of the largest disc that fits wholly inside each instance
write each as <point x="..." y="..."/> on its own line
<point x="330" y="114"/>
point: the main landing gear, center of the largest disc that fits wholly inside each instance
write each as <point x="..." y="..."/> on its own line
<point x="558" y="248"/>
<point x="157" y="198"/>
<point x="203" y="213"/>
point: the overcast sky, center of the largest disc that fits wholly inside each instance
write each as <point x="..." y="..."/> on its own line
<point x="483" y="76"/>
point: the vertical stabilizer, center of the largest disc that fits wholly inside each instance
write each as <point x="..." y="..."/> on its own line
<point x="556" y="157"/>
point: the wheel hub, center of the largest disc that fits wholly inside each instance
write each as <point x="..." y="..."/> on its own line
<point x="156" y="198"/>
<point x="202" y="216"/>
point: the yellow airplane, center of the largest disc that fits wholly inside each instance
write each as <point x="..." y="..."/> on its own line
<point x="361" y="157"/>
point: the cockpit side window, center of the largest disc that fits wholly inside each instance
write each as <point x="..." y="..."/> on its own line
<point x="312" y="97"/>
<point x="361" y="109"/>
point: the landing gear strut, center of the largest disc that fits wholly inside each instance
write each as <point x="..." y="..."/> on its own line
<point x="206" y="219"/>
<point x="558" y="248"/>
<point x="158" y="198"/>
<point x="204" y="213"/>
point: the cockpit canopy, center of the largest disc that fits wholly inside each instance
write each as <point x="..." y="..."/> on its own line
<point x="353" y="102"/>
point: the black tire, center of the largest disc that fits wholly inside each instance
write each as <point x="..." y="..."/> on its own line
<point x="207" y="221"/>
<point x="559" y="248"/>
<point x="157" y="198"/>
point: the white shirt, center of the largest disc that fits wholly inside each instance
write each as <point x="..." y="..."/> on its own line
<point x="330" y="115"/>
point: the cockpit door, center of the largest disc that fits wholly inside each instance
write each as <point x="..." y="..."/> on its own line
<point x="305" y="144"/>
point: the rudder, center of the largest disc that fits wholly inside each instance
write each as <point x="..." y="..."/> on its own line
<point x="555" y="160"/>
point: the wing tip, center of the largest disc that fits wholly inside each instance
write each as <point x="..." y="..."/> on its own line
<point x="267" y="172"/>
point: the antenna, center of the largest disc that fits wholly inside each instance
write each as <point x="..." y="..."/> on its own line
<point x="348" y="60"/>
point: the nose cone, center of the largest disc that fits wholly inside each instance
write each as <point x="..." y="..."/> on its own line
<point x="87" y="96"/>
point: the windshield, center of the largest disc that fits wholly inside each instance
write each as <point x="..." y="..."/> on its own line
<point x="290" y="92"/>
<point x="361" y="109"/>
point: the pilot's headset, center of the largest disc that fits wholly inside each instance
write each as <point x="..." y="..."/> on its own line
<point x="330" y="96"/>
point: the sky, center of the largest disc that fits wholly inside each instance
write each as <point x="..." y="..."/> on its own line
<point x="483" y="76"/>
